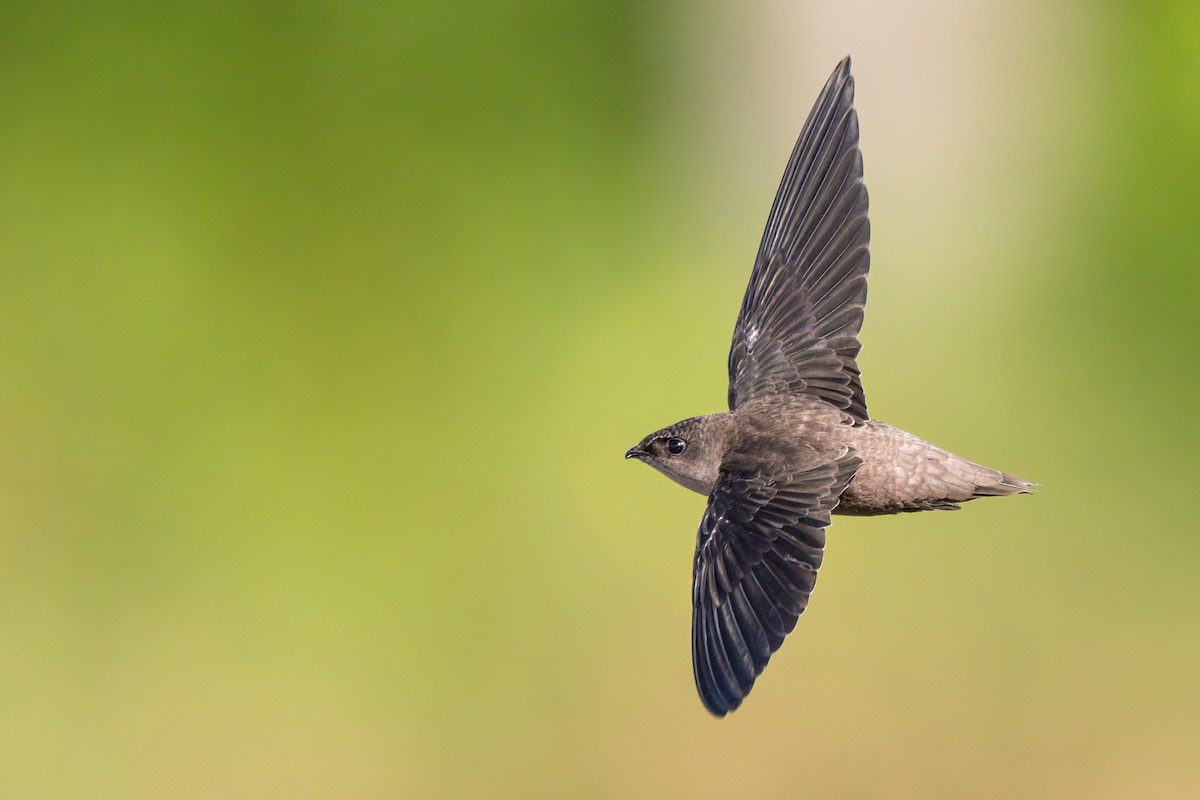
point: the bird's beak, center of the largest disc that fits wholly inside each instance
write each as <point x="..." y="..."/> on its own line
<point x="635" y="452"/>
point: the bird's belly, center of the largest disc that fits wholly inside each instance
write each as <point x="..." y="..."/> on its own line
<point x="864" y="497"/>
<point x="903" y="472"/>
<point x="897" y="468"/>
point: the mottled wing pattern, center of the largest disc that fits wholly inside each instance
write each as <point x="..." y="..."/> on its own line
<point x="798" y="327"/>
<point x="757" y="554"/>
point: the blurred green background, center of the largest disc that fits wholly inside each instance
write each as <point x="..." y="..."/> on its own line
<point x="323" y="329"/>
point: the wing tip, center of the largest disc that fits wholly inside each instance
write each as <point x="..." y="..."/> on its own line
<point x="841" y="84"/>
<point x="844" y="73"/>
<point x="719" y="713"/>
<point x="714" y="700"/>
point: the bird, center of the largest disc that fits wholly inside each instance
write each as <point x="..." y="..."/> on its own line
<point x="797" y="444"/>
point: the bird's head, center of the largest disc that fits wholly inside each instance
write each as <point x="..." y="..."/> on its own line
<point x="688" y="452"/>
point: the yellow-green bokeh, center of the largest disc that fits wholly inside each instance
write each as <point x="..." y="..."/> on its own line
<point x="323" y="329"/>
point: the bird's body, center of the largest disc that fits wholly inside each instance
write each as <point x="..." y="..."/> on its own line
<point x="903" y="472"/>
<point x="899" y="471"/>
<point x="797" y="444"/>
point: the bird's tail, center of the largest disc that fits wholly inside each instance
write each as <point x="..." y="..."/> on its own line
<point x="967" y="480"/>
<point x="993" y="483"/>
<point x="906" y="473"/>
<point x="952" y="479"/>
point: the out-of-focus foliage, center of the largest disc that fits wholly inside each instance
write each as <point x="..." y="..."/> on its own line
<point x="323" y="329"/>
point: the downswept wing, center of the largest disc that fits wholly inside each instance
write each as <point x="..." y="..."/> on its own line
<point x="798" y="327"/>
<point x="757" y="554"/>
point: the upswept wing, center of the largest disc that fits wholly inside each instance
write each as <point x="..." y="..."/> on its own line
<point x="798" y="327"/>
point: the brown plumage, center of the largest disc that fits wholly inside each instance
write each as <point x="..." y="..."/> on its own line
<point x="797" y="444"/>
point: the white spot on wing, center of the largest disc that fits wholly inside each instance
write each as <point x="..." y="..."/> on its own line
<point x="751" y="337"/>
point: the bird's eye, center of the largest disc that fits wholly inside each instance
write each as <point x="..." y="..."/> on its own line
<point x="676" y="446"/>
